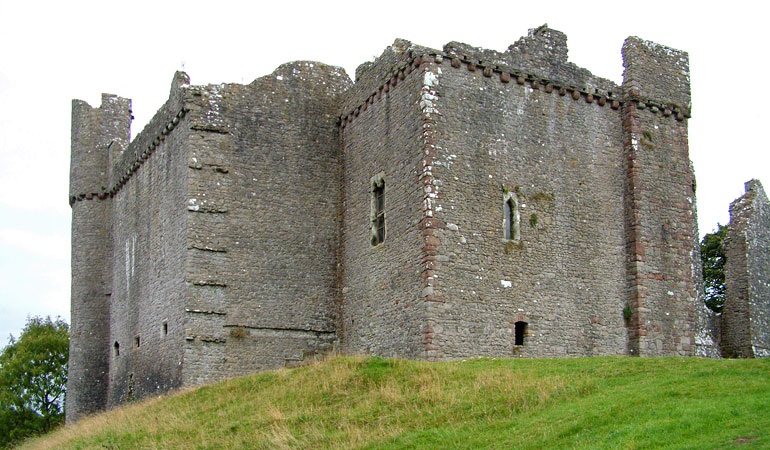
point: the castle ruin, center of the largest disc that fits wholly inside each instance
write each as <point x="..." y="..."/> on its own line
<point x="448" y="204"/>
<point x="744" y="330"/>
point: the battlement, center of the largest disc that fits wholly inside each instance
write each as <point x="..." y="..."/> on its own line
<point x="657" y="73"/>
<point x="540" y="61"/>
<point x="98" y="135"/>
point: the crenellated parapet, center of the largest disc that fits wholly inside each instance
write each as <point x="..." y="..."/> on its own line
<point x="538" y="60"/>
<point x="97" y="135"/>
<point x="125" y="158"/>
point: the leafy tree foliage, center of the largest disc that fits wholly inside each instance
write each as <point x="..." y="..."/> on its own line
<point x="714" y="258"/>
<point x="33" y="375"/>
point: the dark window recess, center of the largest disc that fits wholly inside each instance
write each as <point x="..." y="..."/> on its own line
<point x="137" y="341"/>
<point x="520" y="329"/>
<point x="379" y="213"/>
<point x="509" y="219"/>
<point x="164" y="328"/>
<point x="116" y="348"/>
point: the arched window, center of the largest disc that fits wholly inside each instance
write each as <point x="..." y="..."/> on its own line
<point x="511" y="219"/>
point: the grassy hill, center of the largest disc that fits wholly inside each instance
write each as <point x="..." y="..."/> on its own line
<point x="374" y="403"/>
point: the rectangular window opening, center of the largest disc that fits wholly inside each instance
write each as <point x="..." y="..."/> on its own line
<point x="520" y="329"/>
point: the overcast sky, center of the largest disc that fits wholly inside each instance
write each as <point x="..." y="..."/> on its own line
<point x="52" y="52"/>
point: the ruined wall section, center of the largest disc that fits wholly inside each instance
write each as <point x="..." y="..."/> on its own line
<point x="660" y="191"/>
<point x="263" y="208"/>
<point x="382" y="310"/>
<point x="149" y="251"/>
<point x="758" y="259"/>
<point x="95" y="131"/>
<point x="552" y="145"/>
<point x="746" y="315"/>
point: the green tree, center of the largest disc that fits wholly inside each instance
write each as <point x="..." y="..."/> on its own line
<point x="33" y="375"/>
<point x="714" y="258"/>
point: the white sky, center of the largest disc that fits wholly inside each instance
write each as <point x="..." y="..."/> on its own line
<point x="52" y="52"/>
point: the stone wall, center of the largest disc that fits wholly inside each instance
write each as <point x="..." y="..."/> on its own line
<point x="746" y="314"/>
<point x="527" y="132"/>
<point x="382" y="312"/>
<point x="148" y="255"/>
<point x="263" y="240"/>
<point x="600" y="219"/>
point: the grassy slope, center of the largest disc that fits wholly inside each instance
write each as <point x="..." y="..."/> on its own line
<point x="347" y="402"/>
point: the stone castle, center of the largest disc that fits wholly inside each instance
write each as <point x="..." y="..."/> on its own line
<point x="448" y="204"/>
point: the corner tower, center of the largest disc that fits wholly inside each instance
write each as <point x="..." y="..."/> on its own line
<point x="661" y="231"/>
<point x="96" y="134"/>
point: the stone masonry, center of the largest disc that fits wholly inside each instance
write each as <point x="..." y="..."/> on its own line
<point x="746" y="315"/>
<point x="450" y="203"/>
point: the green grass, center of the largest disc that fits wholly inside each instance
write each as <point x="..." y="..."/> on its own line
<point x="346" y="402"/>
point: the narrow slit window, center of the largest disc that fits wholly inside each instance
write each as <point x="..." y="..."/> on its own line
<point x="379" y="198"/>
<point x="116" y="348"/>
<point x="164" y="328"/>
<point x="511" y="219"/>
<point x="520" y="329"/>
<point x="137" y="341"/>
<point x="378" y="209"/>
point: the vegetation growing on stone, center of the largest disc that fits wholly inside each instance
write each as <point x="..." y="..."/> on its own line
<point x="513" y="245"/>
<point x="543" y="197"/>
<point x="627" y="312"/>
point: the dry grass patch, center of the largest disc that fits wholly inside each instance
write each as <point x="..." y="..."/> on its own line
<point x="347" y="402"/>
